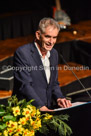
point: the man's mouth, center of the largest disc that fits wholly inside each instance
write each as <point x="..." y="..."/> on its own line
<point x="49" y="44"/>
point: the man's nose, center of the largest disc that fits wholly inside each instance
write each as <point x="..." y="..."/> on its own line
<point x="51" y="40"/>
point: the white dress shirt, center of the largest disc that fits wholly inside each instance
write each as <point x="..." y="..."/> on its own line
<point x="46" y="63"/>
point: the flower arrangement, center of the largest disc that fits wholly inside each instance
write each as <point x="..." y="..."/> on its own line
<point x="21" y="118"/>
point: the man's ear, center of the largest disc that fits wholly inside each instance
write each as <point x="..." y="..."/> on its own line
<point x="37" y="33"/>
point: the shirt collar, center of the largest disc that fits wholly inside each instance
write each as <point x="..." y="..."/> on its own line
<point x="47" y="55"/>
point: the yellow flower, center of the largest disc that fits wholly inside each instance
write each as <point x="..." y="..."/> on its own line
<point x="28" y="133"/>
<point x="38" y="112"/>
<point x="33" y="107"/>
<point x="48" y="116"/>
<point x="33" y="113"/>
<point x="26" y="112"/>
<point x="37" y="125"/>
<point x="32" y="133"/>
<point x="12" y="124"/>
<point x="19" y="130"/>
<point x="16" y="134"/>
<point x="10" y="131"/>
<point x="29" y="107"/>
<point x="5" y="133"/>
<point x="32" y="122"/>
<point x="16" y="111"/>
<point x="22" y="121"/>
<point x="27" y="118"/>
<point x="11" y="128"/>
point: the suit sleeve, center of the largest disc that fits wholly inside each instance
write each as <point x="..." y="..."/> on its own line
<point x="23" y="79"/>
<point x="56" y="88"/>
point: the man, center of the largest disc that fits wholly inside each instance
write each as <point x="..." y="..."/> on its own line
<point x="36" y="76"/>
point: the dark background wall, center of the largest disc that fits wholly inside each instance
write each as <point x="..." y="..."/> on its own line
<point x="77" y="9"/>
<point x="24" y="5"/>
<point x="20" y="18"/>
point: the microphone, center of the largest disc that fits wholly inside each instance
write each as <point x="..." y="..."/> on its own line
<point x="84" y="88"/>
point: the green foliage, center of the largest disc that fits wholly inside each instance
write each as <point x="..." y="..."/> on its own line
<point x="13" y="101"/>
<point x="58" y="125"/>
<point x="44" y="129"/>
<point x="48" y="120"/>
<point x="2" y="126"/>
<point x="9" y="117"/>
<point x="2" y="112"/>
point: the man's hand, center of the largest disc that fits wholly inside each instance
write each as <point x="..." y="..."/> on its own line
<point x="64" y="103"/>
<point x="44" y="108"/>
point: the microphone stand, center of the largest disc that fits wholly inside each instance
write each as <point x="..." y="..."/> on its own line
<point x="76" y="77"/>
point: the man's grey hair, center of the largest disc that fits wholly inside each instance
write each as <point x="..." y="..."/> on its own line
<point x="45" y="22"/>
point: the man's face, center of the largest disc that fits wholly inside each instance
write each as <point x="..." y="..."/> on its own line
<point x="48" y="39"/>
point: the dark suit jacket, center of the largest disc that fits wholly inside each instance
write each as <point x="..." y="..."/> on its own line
<point x="29" y="77"/>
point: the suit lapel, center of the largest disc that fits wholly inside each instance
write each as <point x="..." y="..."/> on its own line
<point x="51" y="66"/>
<point x="37" y="59"/>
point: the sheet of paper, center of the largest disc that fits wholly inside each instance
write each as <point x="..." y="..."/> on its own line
<point x="73" y="105"/>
